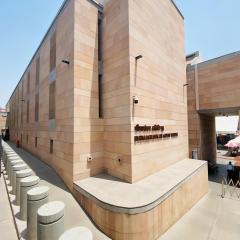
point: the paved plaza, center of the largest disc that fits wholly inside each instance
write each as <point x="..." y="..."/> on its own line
<point x="213" y="217"/>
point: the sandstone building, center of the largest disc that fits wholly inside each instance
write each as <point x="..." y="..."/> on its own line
<point x="104" y="102"/>
<point x="213" y="90"/>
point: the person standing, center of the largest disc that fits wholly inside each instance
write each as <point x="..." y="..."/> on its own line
<point x="230" y="170"/>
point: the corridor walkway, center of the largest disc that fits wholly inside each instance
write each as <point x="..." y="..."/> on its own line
<point x="74" y="214"/>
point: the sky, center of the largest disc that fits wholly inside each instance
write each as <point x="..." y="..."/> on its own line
<point x="212" y="27"/>
<point x="226" y="124"/>
<point x="23" y="24"/>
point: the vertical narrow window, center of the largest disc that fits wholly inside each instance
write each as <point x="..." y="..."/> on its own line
<point x="27" y="139"/>
<point x="37" y="71"/>
<point x="100" y="105"/>
<point x="28" y="83"/>
<point x="22" y="101"/>
<point x="36" y="141"/>
<point x="99" y="39"/>
<point x="52" y="90"/>
<point x="21" y="140"/>
<point x="27" y="111"/>
<point x="51" y="146"/>
<point x="36" y="107"/>
<point x="37" y="89"/>
<point x="53" y="51"/>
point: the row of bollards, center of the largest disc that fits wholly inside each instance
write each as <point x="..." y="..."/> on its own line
<point x="45" y="220"/>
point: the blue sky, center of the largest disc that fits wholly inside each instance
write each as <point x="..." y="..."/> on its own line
<point x="212" y="27"/>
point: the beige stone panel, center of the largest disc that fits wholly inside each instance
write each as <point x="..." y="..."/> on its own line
<point x="61" y="134"/>
<point x="153" y="223"/>
<point x="87" y="147"/>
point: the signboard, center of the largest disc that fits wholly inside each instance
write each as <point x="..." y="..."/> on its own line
<point x="150" y="133"/>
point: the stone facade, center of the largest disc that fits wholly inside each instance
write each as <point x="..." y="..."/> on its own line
<point x="106" y="93"/>
<point x="3" y="117"/>
<point x="213" y="90"/>
<point x="78" y="131"/>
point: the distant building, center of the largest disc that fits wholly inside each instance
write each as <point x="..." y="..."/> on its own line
<point x="3" y="117"/>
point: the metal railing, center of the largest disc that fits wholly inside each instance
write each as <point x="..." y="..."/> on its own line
<point x="230" y="189"/>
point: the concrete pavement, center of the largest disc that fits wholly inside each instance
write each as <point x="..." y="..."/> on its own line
<point x="74" y="214"/>
<point x="7" y="227"/>
<point x="212" y="218"/>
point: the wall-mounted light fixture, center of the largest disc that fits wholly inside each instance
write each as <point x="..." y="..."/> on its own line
<point x="185" y="85"/>
<point x="138" y="57"/>
<point x="22" y="100"/>
<point x="66" y="62"/>
<point x="135" y="100"/>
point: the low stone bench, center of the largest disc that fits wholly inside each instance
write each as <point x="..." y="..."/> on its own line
<point x="16" y="168"/>
<point x="36" y="197"/>
<point x="19" y="176"/>
<point x="50" y="218"/>
<point x="25" y="185"/>
<point x="77" y="233"/>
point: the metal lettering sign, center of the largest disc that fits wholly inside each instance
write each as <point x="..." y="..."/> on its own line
<point x="150" y="133"/>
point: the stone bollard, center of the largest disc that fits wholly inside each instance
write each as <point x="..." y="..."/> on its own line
<point x="8" y="161"/>
<point x="25" y="185"/>
<point x="50" y="218"/>
<point x="19" y="176"/>
<point x="77" y="233"/>
<point x="5" y="154"/>
<point x="16" y="168"/>
<point x="13" y="163"/>
<point x="36" y="197"/>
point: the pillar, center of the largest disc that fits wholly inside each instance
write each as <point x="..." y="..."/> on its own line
<point x="36" y="197"/>
<point x="25" y="185"/>
<point x="208" y="142"/>
<point x="50" y="221"/>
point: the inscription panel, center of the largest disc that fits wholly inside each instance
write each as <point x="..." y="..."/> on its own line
<point x="150" y="133"/>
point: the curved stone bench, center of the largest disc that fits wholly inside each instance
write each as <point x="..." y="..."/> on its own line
<point x="36" y="197"/>
<point x="77" y="233"/>
<point x="50" y="218"/>
<point x="25" y="185"/>
<point x="179" y="186"/>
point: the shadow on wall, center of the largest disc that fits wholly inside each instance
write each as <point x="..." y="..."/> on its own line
<point x="95" y="114"/>
<point x="41" y="169"/>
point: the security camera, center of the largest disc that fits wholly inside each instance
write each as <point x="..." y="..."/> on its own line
<point x="135" y="100"/>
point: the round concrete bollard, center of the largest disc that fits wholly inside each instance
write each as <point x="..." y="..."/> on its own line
<point x="13" y="163"/>
<point x="77" y="233"/>
<point x="8" y="161"/>
<point x="16" y="168"/>
<point x="36" y="197"/>
<point x="25" y="185"/>
<point x="5" y="154"/>
<point x="19" y="176"/>
<point x="50" y="218"/>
